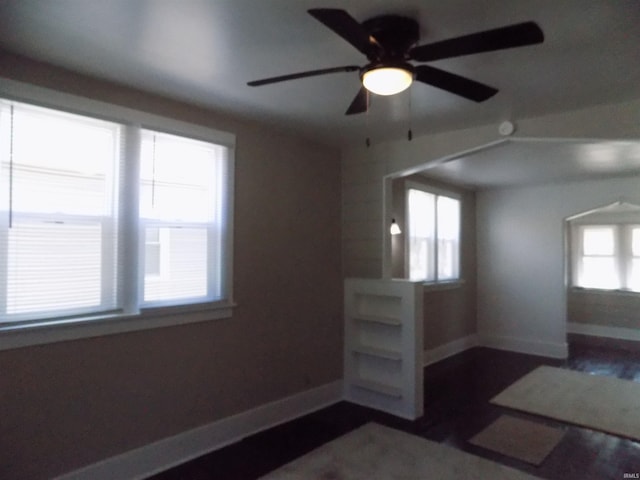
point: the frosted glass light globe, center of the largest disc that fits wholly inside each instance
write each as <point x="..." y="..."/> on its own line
<point x="387" y="80"/>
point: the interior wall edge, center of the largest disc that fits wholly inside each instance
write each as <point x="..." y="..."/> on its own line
<point x="527" y="346"/>
<point x="450" y="349"/>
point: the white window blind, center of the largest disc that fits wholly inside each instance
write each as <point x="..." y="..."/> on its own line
<point x="433" y="236"/>
<point x="181" y="199"/>
<point x="598" y="267"/>
<point x="59" y="227"/>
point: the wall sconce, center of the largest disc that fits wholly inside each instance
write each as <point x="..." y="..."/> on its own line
<point x="395" y="229"/>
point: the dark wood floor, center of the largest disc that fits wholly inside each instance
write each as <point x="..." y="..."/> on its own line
<point x="457" y="394"/>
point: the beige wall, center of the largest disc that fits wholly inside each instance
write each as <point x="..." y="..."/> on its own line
<point x="449" y="314"/>
<point x="68" y="404"/>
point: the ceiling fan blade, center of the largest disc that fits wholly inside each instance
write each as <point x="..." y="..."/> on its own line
<point x="360" y="103"/>
<point x="517" y="35"/>
<point x="347" y="27"/>
<point x="310" y="73"/>
<point x="453" y="83"/>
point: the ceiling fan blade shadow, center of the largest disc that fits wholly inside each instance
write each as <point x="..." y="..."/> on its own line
<point x="455" y="84"/>
<point x="310" y="73"/>
<point x="518" y="35"/>
<point x="348" y="28"/>
<point x="360" y="103"/>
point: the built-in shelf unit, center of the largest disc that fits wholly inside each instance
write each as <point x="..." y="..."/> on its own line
<point x="383" y="345"/>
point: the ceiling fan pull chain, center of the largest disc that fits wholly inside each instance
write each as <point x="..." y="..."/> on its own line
<point x="410" y="133"/>
<point x="366" y="119"/>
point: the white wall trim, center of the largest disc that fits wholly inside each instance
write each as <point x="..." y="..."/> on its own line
<point x="52" y="331"/>
<point x="521" y="345"/>
<point x="619" y="333"/>
<point x="169" y="452"/>
<point x="449" y="349"/>
<point x="50" y="98"/>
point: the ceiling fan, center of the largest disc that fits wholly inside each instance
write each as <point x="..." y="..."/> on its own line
<point x="388" y="43"/>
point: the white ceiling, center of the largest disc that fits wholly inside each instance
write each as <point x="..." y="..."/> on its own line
<point x="204" y="51"/>
<point x="521" y="162"/>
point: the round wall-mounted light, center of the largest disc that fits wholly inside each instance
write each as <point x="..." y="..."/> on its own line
<point x="386" y="80"/>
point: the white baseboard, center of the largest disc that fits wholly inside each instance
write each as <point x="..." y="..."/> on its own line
<point x="619" y="333"/>
<point x="531" y="347"/>
<point x="449" y="349"/>
<point x="169" y="452"/>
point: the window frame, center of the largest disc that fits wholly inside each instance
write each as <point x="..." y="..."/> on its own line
<point x="208" y="225"/>
<point x="39" y="214"/>
<point x="133" y="316"/>
<point x="436" y="192"/>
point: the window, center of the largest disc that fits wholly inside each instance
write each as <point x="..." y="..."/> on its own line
<point x="181" y="187"/>
<point x="607" y="257"/>
<point x="70" y="243"/>
<point x="433" y="240"/>
<point x="59" y="213"/>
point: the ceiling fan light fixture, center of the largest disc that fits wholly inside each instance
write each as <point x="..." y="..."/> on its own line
<point x="389" y="44"/>
<point x="387" y="80"/>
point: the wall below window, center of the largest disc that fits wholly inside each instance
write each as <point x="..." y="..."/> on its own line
<point x="603" y="308"/>
<point x="65" y="405"/>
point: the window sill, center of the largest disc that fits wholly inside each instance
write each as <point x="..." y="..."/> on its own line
<point x="604" y="291"/>
<point x="52" y="331"/>
<point x="439" y="286"/>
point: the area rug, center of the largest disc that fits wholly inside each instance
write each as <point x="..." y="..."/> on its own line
<point x="374" y="452"/>
<point x="514" y="437"/>
<point x="601" y="403"/>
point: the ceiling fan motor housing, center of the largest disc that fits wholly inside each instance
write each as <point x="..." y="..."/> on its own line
<point x="395" y="34"/>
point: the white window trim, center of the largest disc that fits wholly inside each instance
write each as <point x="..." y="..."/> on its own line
<point x="18" y="335"/>
<point x="434" y="285"/>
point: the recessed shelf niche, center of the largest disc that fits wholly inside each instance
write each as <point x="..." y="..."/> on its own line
<point x="383" y="345"/>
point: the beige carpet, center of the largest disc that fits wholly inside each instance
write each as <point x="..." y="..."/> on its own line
<point x="601" y="403"/>
<point x="374" y="452"/>
<point x="514" y="437"/>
